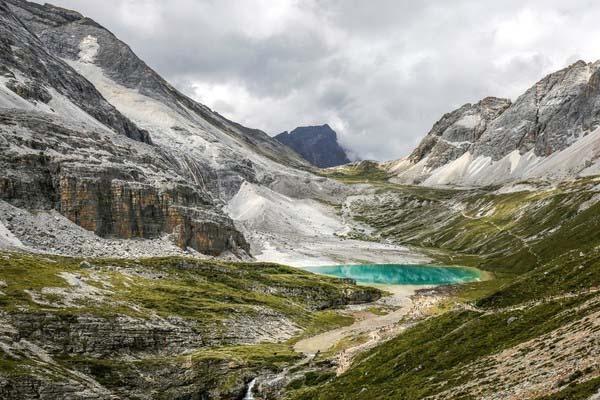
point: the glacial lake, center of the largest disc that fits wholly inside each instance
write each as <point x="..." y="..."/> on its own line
<point x="399" y="274"/>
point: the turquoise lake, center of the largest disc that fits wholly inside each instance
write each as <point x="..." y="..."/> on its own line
<point x="399" y="274"/>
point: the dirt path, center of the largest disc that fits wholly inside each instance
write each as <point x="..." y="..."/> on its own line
<point x="371" y="324"/>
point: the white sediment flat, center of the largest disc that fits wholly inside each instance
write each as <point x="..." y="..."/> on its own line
<point x="304" y="232"/>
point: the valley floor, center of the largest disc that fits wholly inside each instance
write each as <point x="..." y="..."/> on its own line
<point x="374" y="323"/>
<point x="306" y="232"/>
<point x="209" y="326"/>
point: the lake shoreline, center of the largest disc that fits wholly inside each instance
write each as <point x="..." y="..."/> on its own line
<point x="402" y="306"/>
<point x="401" y="274"/>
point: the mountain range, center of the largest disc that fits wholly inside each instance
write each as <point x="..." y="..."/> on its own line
<point x="144" y="240"/>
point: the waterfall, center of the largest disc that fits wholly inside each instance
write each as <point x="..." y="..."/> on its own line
<point x="249" y="395"/>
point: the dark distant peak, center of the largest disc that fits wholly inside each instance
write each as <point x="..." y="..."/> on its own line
<point x="315" y="129"/>
<point x="317" y="144"/>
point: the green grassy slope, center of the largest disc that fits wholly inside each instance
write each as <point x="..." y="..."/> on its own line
<point x="534" y="332"/>
<point x="160" y="328"/>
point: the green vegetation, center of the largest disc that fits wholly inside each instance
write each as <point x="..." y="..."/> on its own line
<point x="360" y="172"/>
<point x="207" y="291"/>
<point x="218" y="301"/>
<point x="576" y="391"/>
<point x="322" y="321"/>
<point x="348" y="342"/>
<point x="541" y="248"/>
<point x="311" y="378"/>
<point x="273" y="355"/>
<point x="429" y="358"/>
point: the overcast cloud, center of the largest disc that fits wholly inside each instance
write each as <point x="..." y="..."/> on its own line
<point x="380" y="72"/>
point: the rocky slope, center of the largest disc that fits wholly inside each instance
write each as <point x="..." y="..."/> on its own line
<point x="37" y="79"/>
<point x="106" y="186"/>
<point x="101" y="157"/>
<point x="220" y="152"/>
<point x="89" y="130"/>
<point x="316" y="144"/>
<point x="547" y="133"/>
<point x="167" y="328"/>
<point x="183" y="180"/>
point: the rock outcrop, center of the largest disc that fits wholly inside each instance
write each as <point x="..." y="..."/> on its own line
<point x="171" y="328"/>
<point x="455" y="132"/>
<point x="37" y="76"/>
<point x="316" y="144"/>
<point x="548" y="117"/>
<point x="110" y="64"/>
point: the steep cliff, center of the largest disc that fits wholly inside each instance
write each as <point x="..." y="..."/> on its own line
<point x="107" y="185"/>
<point x="316" y="144"/>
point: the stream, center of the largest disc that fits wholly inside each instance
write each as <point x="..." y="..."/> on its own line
<point x="249" y="395"/>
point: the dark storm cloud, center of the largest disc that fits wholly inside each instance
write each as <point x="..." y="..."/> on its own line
<point x="380" y="72"/>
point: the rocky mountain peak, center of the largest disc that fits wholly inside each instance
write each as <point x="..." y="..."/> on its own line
<point x="77" y="110"/>
<point x="455" y="132"/>
<point x="549" y="116"/>
<point x="316" y="144"/>
<point x="495" y="140"/>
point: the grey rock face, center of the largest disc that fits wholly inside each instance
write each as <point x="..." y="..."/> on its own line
<point x="22" y="52"/>
<point x="549" y="116"/>
<point x="62" y="31"/>
<point x="555" y="113"/>
<point x="106" y="185"/>
<point x="316" y="144"/>
<point x="457" y="131"/>
<point x="118" y="189"/>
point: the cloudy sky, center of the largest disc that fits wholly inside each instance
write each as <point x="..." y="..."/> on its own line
<point x="380" y="72"/>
